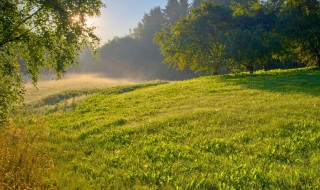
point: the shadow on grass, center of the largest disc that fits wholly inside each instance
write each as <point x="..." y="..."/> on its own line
<point x="289" y="81"/>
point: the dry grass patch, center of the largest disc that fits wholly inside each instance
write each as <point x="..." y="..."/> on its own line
<point x="22" y="164"/>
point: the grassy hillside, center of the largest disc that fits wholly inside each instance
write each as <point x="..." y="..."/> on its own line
<point x="244" y="131"/>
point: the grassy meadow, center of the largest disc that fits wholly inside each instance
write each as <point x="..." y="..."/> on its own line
<point x="45" y="88"/>
<point x="243" y="131"/>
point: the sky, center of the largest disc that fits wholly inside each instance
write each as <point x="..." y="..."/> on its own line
<point x="120" y="16"/>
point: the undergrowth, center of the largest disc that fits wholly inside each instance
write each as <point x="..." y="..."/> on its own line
<point x="23" y="162"/>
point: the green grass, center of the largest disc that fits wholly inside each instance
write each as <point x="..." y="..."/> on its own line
<point x="243" y="131"/>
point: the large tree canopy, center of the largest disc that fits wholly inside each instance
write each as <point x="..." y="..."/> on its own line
<point x="40" y="34"/>
<point x="299" y="22"/>
<point x="195" y="41"/>
<point x="243" y="35"/>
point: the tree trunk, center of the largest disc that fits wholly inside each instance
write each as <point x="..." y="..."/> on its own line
<point x="250" y="69"/>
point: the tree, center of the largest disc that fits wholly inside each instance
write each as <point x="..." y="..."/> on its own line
<point x="246" y="48"/>
<point x="196" y="3"/>
<point x="184" y="7"/>
<point x="172" y="11"/>
<point x="197" y="41"/>
<point x="150" y="24"/>
<point x="135" y="55"/>
<point x="299" y="23"/>
<point x="217" y="36"/>
<point x="175" y="9"/>
<point x="43" y="34"/>
<point x="254" y="40"/>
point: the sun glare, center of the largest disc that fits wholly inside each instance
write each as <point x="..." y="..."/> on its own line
<point x="91" y="21"/>
<point x="75" y="18"/>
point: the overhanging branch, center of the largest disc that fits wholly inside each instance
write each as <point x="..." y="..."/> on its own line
<point x="10" y="38"/>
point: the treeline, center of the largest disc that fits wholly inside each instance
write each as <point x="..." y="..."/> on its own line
<point x="136" y="55"/>
<point x="243" y="35"/>
<point x="213" y="37"/>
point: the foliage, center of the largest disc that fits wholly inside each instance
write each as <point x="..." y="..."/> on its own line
<point x="196" y="3"/>
<point x="43" y="34"/>
<point x="246" y="35"/>
<point x="10" y="91"/>
<point x="135" y="55"/>
<point x="196" y="41"/>
<point x="151" y="23"/>
<point x="131" y="58"/>
<point x="175" y="9"/>
<point x="257" y="131"/>
<point x="299" y="23"/>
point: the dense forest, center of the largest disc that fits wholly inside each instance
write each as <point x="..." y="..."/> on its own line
<point x="214" y="37"/>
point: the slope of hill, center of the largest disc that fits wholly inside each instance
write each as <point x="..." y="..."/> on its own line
<point x="258" y="131"/>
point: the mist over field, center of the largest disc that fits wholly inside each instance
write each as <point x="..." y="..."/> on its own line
<point x="129" y="58"/>
<point x="72" y="81"/>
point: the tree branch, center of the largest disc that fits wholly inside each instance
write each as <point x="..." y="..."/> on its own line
<point x="2" y="44"/>
<point x="10" y="38"/>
